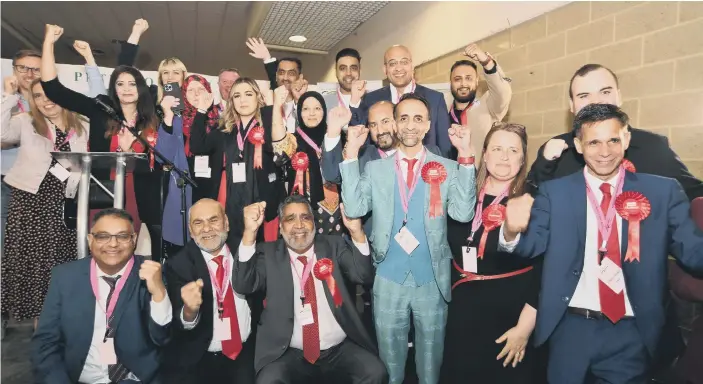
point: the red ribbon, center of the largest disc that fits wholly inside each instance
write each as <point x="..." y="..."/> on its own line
<point x="300" y="163"/>
<point x="627" y="164"/>
<point x="633" y="207"/>
<point x="492" y="217"/>
<point x="151" y="139"/>
<point x="434" y="174"/>
<point x="323" y="271"/>
<point x="256" y="137"/>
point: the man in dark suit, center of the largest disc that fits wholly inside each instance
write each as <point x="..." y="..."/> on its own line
<point x="100" y="324"/>
<point x="603" y="287"/>
<point x="309" y="329"/>
<point x="399" y="69"/>
<point x="207" y="348"/>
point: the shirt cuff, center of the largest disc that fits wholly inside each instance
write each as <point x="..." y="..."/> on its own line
<point x="356" y="105"/>
<point x="363" y="247"/>
<point x="269" y="60"/>
<point x="161" y="312"/>
<point x="330" y="143"/>
<point x="246" y="252"/>
<point x="507" y="246"/>
<point x="347" y="161"/>
<point x="188" y="325"/>
<point x="468" y="166"/>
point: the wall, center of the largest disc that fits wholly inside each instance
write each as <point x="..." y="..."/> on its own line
<point x="656" y="49"/>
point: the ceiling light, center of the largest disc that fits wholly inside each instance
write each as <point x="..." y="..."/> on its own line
<point x="298" y="39"/>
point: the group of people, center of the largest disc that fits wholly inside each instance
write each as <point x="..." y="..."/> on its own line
<point x="493" y="271"/>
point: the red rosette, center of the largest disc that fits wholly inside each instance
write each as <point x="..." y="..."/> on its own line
<point x="256" y="137"/>
<point x="323" y="271"/>
<point x="434" y="174"/>
<point x="300" y="163"/>
<point x="492" y="217"/>
<point x="633" y="207"/>
<point x="151" y="139"/>
<point x="627" y="164"/>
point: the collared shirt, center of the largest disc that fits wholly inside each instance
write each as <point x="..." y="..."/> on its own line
<point x="93" y="369"/>
<point x="289" y="111"/>
<point x="9" y="155"/>
<point x="240" y="303"/>
<point x="394" y="92"/>
<point x="404" y="164"/>
<point x="331" y="333"/>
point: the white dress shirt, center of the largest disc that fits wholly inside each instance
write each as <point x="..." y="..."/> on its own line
<point x="289" y="115"/>
<point x="94" y="371"/>
<point x="240" y="303"/>
<point x="587" y="294"/>
<point x="394" y="92"/>
<point x="331" y="333"/>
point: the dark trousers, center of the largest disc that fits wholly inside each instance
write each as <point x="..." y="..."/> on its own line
<point x="216" y="368"/>
<point x="585" y="350"/>
<point x="346" y="363"/>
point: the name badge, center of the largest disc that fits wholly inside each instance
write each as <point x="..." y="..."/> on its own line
<point x="611" y="275"/>
<point x="272" y="177"/>
<point x="469" y="259"/>
<point x="107" y="352"/>
<point x="406" y="240"/>
<point x="305" y="315"/>
<point x="202" y="164"/>
<point x="239" y="174"/>
<point x="60" y="172"/>
<point x="223" y="330"/>
<point x="206" y="174"/>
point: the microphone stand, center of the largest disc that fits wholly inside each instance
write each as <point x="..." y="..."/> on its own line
<point x="183" y="177"/>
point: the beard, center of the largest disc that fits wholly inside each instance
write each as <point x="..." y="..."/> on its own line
<point x="411" y="141"/>
<point x="299" y="243"/>
<point x="212" y="245"/>
<point x="465" y="99"/>
<point x="385" y="141"/>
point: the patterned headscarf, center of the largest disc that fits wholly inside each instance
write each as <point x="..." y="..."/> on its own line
<point x="189" y="111"/>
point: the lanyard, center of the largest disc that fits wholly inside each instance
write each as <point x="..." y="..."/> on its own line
<point x="240" y="139"/>
<point x="412" y="90"/>
<point x="118" y="287"/>
<point x="283" y="113"/>
<point x="405" y="195"/>
<point x="463" y="112"/>
<point x="382" y="153"/>
<point x="53" y="138"/>
<point x="308" y="140"/>
<point x="478" y="216"/>
<point x="605" y="221"/>
<point x="306" y="274"/>
<point x="20" y="106"/>
<point x="221" y="290"/>
<point x="341" y="100"/>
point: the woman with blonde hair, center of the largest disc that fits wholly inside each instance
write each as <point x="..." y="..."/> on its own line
<point x="37" y="237"/>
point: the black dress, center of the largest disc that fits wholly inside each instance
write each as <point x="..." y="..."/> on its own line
<point x="481" y="311"/>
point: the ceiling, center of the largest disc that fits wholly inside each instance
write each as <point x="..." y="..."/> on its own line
<point x="206" y="36"/>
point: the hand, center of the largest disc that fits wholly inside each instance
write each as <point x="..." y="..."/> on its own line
<point x="258" y="48"/>
<point x="358" y="89"/>
<point x="460" y="137"/>
<point x="280" y="95"/>
<point x="473" y="52"/>
<point x="205" y="101"/>
<point x="356" y="138"/>
<point x="299" y="87"/>
<point x="83" y="48"/>
<point x="554" y="148"/>
<point x="53" y="32"/>
<point x="337" y="118"/>
<point x="517" y="216"/>
<point x="140" y="26"/>
<point x="353" y="225"/>
<point x="125" y="138"/>
<point x="11" y="85"/>
<point x="150" y="271"/>
<point x="169" y="102"/>
<point x="254" y="217"/>
<point x="515" y="340"/>
<point x="192" y="296"/>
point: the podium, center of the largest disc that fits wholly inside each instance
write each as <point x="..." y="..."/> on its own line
<point x="122" y="162"/>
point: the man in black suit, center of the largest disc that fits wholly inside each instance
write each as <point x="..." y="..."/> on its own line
<point x="310" y="329"/>
<point x="399" y="69"/>
<point x="207" y="347"/>
<point x="104" y="317"/>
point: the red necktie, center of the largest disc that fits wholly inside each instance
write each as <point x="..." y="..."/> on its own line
<point x="222" y="193"/>
<point x="233" y="346"/>
<point x="311" y="332"/>
<point x="612" y="304"/>
<point x="411" y="171"/>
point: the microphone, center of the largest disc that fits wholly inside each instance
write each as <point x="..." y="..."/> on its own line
<point x="107" y="109"/>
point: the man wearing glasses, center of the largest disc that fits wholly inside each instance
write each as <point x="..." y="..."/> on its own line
<point x="225" y="81"/>
<point x="94" y="326"/>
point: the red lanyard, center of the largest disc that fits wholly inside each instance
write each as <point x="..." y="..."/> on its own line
<point x="20" y="106"/>
<point x="463" y="113"/>
<point x="605" y="221"/>
<point x="478" y="216"/>
<point x="406" y="195"/>
<point x="412" y="90"/>
<point x="240" y="139"/>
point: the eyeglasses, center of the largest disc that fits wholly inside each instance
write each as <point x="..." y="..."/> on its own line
<point x="24" y="69"/>
<point x="104" y="238"/>
<point x="393" y="63"/>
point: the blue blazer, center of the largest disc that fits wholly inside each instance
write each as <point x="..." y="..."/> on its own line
<point x="558" y="229"/>
<point x="374" y="190"/>
<point x="439" y="119"/>
<point x="61" y="342"/>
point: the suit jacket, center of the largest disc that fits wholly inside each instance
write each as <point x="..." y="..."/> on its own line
<point x="374" y="190"/>
<point x="438" y="134"/>
<point x="269" y="272"/>
<point x="61" y="342"/>
<point x="557" y="228"/>
<point x="331" y="100"/>
<point x="648" y="151"/>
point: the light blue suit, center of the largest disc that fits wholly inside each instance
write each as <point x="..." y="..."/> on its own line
<point x="394" y="302"/>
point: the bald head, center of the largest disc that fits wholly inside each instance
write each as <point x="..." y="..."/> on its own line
<point x="398" y="66"/>
<point x="205" y="205"/>
<point x="382" y="125"/>
<point x="208" y="225"/>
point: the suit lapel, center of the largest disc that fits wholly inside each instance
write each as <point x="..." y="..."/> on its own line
<point x="85" y="303"/>
<point x="128" y="291"/>
<point x="285" y="273"/>
<point x="578" y="197"/>
<point x="323" y="251"/>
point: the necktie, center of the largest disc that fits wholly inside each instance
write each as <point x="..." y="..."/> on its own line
<point x="233" y="346"/>
<point x="612" y="304"/>
<point x="222" y="192"/>
<point x="411" y="171"/>
<point x="116" y="372"/>
<point x="311" y="332"/>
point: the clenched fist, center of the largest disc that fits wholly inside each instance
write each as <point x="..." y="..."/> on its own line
<point x="53" y="32"/>
<point x="140" y="26"/>
<point x="11" y="85"/>
<point x="192" y="296"/>
<point x="517" y="216"/>
<point x="358" y="89"/>
<point x="299" y="87"/>
<point x="356" y="138"/>
<point x="460" y="137"/>
<point x="150" y="272"/>
<point x="338" y="117"/>
<point x="253" y="218"/>
<point x="280" y="95"/>
<point x="473" y="52"/>
<point x="554" y="148"/>
<point x="83" y="48"/>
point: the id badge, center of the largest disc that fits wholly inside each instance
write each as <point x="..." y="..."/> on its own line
<point x="202" y="164"/>
<point x="223" y="330"/>
<point x="305" y="315"/>
<point x="611" y="275"/>
<point x="107" y="352"/>
<point x="406" y="240"/>
<point x="239" y="174"/>
<point x="469" y="258"/>
<point x="60" y="172"/>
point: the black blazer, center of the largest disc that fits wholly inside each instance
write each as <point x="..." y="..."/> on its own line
<point x="188" y="346"/>
<point x="62" y="340"/>
<point x="269" y="271"/>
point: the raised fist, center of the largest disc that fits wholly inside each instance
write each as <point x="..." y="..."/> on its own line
<point x="53" y="32"/>
<point x="280" y="95"/>
<point x="254" y="216"/>
<point x="554" y="148"/>
<point x="517" y="215"/>
<point x="11" y="85"/>
<point x="83" y="48"/>
<point x="337" y="118"/>
<point x="192" y="296"/>
<point x="460" y="137"/>
<point x="358" y="89"/>
<point x="299" y="87"/>
<point x="473" y="52"/>
<point x="140" y="26"/>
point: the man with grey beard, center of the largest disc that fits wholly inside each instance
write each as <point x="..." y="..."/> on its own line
<point x="310" y="330"/>
<point x="213" y="341"/>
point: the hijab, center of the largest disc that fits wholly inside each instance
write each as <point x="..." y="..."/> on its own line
<point x="189" y="110"/>
<point x="317" y="136"/>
